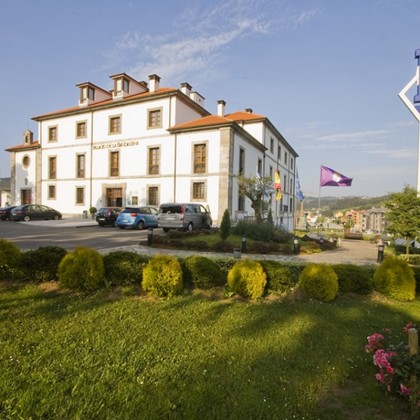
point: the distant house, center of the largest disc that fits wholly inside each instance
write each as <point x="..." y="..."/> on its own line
<point x="141" y="143"/>
<point x="5" y="195"/>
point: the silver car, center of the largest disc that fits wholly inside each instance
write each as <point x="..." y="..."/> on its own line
<point x="185" y="216"/>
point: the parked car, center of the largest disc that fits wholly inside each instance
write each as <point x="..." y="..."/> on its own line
<point x="185" y="216"/>
<point x="107" y="215"/>
<point x="138" y="218"/>
<point x="5" y="212"/>
<point x="28" y="212"/>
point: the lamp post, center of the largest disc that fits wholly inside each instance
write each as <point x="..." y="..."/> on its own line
<point x="414" y="108"/>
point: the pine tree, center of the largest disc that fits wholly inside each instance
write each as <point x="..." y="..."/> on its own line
<point x="225" y="226"/>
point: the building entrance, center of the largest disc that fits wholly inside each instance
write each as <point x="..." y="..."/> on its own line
<point x="114" y="197"/>
<point x="25" y="196"/>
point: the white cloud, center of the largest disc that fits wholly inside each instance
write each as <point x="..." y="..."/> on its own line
<point x="199" y="41"/>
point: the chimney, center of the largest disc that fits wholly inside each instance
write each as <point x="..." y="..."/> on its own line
<point x="221" y="108"/>
<point x="186" y="88"/>
<point x="249" y="110"/>
<point x="154" y="80"/>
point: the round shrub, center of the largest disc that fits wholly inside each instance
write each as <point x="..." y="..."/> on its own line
<point x="353" y="279"/>
<point x="247" y="278"/>
<point x="279" y="277"/>
<point x="319" y="281"/>
<point x="162" y="276"/>
<point x="42" y="264"/>
<point x="81" y="269"/>
<point x="10" y="256"/>
<point x="124" y="267"/>
<point x="395" y="279"/>
<point x="204" y="272"/>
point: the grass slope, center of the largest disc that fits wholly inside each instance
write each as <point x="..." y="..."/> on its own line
<point x="108" y="356"/>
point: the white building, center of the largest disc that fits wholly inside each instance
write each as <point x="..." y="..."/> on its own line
<point x="143" y="144"/>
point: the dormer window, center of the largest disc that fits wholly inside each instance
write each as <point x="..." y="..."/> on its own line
<point x="126" y="85"/>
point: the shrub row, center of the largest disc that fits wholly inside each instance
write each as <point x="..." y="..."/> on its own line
<point x="85" y="269"/>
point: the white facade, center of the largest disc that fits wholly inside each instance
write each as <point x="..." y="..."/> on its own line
<point x="141" y="144"/>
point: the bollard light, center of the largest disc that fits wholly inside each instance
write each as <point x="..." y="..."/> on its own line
<point x="243" y="248"/>
<point x="321" y="242"/>
<point x="296" y="246"/>
<point x="380" y="253"/>
<point x="149" y="237"/>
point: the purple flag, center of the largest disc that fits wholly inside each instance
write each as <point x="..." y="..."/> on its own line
<point x="332" y="178"/>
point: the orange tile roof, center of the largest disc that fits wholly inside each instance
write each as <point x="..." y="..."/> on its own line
<point x="33" y="145"/>
<point x="212" y="120"/>
<point x="106" y="102"/>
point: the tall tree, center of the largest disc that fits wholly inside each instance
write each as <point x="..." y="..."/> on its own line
<point x="258" y="190"/>
<point x="404" y="214"/>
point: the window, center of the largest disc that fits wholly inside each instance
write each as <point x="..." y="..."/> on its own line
<point x="154" y="160"/>
<point x="52" y="133"/>
<point x="51" y="192"/>
<point x="278" y="152"/>
<point x="126" y="85"/>
<point x="52" y="167"/>
<point x="241" y="161"/>
<point x="271" y="171"/>
<point x="81" y="129"/>
<point x="200" y="154"/>
<point x="198" y="191"/>
<point x="80" y="171"/>
<point x="80" y="195"/>
<point x="134" y="200"/>
<point x="241" y="203"/>
<point x="285" y="158"/>
<point x="284" y="183"/>
<point x="153" y="196"/>
<point x="291" y="163"/>
<point x="271" y="145"/>
<point x="115" y="124"/>
<point x="155" y="118"/>
<point x="26" y="161"/>
<point x="114" y="163"/>
<point x="259" y="167"/>
<point x="91" y="93"/>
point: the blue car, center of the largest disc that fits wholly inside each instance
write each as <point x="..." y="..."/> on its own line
<point x="137" y="218"/>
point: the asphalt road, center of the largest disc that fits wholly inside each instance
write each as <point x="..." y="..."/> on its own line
<point x="69" y="233"/>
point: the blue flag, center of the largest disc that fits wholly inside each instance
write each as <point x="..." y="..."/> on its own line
<point x="299" y="193"/>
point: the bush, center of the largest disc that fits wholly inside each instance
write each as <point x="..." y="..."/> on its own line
<point x="204" y="272"/>
<point x="262" y="231"/>
<point x="319" y="281"/>
<point x="81" y="269"/>
<point x="279" y="276"/>
<point x="42" y="264"/>
<point x="223" y="246"/>
<point x="395" y="279"/>
<point x="124" y="267"/>
<point x="225" y="226"/>
<point x="10" y="256"/>
<point x="162" y="276"/>
<point x="247" y="278"/>
<point x="353" y="279"/>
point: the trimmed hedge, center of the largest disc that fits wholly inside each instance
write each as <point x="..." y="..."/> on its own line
<point x="247" y="278"/>
<point x="81" y="269"/>
<point x="395" y="279"/>
<point x="163" y="276"/>
<point x="319" y="281"/>
<point x="124" y="267"/>
<point x="203" y="272"/>
<point x="354" y="279"/>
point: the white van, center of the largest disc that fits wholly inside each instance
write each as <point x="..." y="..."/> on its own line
<point x="185" y="216"/>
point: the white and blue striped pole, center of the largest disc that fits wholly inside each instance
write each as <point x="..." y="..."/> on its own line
<point x="414" y="108"/>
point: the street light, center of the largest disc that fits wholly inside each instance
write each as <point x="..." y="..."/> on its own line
<point x="414" y="108"/>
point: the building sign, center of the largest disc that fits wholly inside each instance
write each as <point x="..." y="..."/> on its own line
<point x="117" y="144"/>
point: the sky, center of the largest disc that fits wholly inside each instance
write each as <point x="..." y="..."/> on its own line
<point x="326" y="73"/>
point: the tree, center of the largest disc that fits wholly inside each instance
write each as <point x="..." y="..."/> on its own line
<point x="258" y="190"/>
<point x="404" y="214"/>
<point x="225" y="226"/>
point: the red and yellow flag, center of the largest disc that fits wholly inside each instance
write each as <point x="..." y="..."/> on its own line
<point x="277" y="185"/>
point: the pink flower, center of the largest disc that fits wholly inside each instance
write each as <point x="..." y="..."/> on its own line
<point x="408" y="327"/>
<point x="380" y="378"/>
<point x="404" y="390"/>
<point x="374" y="342"/>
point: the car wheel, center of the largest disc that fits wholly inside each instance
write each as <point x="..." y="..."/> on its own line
<point x="56" y="217"/>
<point x="140" y="225"/>
<point x="101" y="224"/>
<point x="121" y="227"/>
<point x="190" y="227"/>
<point x="26" y="218"/>
<point x="166" y="230"/>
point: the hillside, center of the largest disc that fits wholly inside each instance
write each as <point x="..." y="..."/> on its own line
<point x="334" y="204"/>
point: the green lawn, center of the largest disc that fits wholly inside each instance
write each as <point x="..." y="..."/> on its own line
<point x="116" y="356"/>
